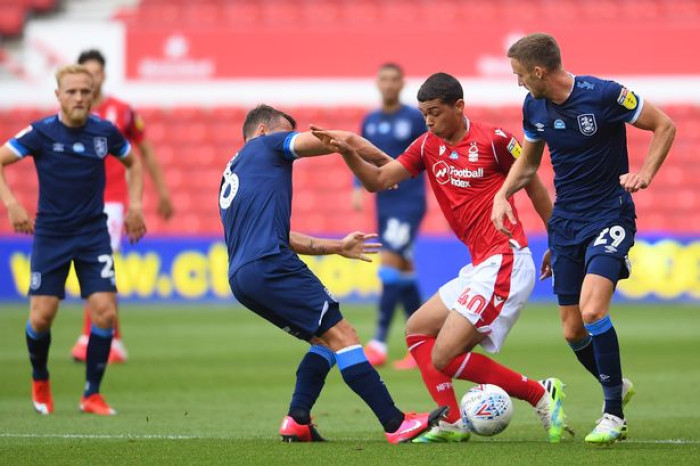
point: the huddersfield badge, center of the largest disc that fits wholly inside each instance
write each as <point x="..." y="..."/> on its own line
<point x="100" y="144"/>
<point x="587" y="124"/>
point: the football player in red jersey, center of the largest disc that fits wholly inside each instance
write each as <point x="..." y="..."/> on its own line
<point x="130" y="124"/>
<point x="466" y="163"/>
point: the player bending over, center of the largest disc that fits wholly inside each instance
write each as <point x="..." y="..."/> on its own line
<point x="582" y="120"/>
<point x="267" y="276"/>
<point x="69" y="151"/>
<point x="466" y="163"/>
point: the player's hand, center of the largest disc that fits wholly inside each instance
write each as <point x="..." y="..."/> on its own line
<point x="165" y="208"/>
<point x="134" y="225"/>
<point x="546" y="268"/>
<point x="501" y="209"/>
<point x="357" y="199"/>
<point x="329" y="141"/>
<point x="19" y="219"/>
<point x="354" y="246"/>
<point x="633" y="182"/>
<point x="323" y="135"/>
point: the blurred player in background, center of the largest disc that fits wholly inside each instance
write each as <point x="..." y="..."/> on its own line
<point x="69" y="151"/>
<point x="123" y="116"/>
<point x="582" y="121"/>
<point x="399" y="211"/>
<point x="466" y="163"/>
<point x="267" y="276"/>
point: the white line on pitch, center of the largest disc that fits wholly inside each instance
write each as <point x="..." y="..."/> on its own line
<point x="204" y="437"/>
<point x="105" y="436"/>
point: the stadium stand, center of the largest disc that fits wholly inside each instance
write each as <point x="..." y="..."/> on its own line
<point x="14" y="13"/>
<point x="194" y="144"/>
<point x="366" y="13"/>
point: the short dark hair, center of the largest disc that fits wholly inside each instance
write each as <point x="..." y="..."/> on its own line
<point x="264" y="114"/>
<point x="92" y="54"/>
<point x="392" y="66"/>
<point x="441" y="86"/>
<point x="537" y="49"/>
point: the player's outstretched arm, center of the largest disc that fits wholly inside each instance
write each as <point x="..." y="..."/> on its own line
<point x="651" y="119"/>
<point x="374" y="178"/>
<point x="353" y="246"/>
<point x="520" y="175"/>
<point x="133" y="221"/>
<point x="309" y="144"/>
<point x="19" y="219"/>
<point x="365" y="149"/>
<point x="165" y="205"/>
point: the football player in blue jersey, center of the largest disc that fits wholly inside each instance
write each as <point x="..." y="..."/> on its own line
<point x="69" y="151"/>
<point x="392" y="128"/>
<point x="267" y="276"/>
<point x="582" y="121"/>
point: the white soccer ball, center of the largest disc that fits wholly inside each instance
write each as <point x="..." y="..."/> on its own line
<point x="486" y="409"/>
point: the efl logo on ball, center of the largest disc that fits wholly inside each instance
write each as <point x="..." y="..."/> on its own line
<point x="486" y="409"/>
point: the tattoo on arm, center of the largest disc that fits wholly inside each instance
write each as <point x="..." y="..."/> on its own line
<point x="317" y="249"/>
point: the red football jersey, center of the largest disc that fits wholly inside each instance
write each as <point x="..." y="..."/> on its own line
<point x="129" y="123"/>
<point x="465" y="179"/>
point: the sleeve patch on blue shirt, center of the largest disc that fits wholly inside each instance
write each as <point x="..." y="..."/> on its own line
<point x="627" y="99"/>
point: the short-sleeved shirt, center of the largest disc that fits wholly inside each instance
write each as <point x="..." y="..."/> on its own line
<point x="70" y="165"/>
<point x="392" y="133"/>
<point x="465" y="179"/>
<point x="255" y="199"/>
<point x="131" y="125"/>
<point x="587" y="142"/>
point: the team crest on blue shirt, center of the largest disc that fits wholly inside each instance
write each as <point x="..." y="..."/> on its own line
<point x="587" y="124"/>
<point x="100" y="146"/>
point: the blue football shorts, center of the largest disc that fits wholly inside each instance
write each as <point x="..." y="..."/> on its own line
<point x="282" y="290"/>
<point x="91" y="254"/>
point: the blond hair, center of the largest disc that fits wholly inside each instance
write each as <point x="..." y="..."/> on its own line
<point x="70" y="69"/>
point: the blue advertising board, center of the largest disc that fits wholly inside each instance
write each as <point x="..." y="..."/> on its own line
<point x="195" y="268"/>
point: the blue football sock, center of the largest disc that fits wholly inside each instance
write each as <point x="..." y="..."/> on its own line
<point x="607" y="356"/>
<point x="390" y="297"/>
<point x="38" y="345"/>
<point x="583" y="349"/>
<point x="364" y="380"/>
<point x="410" y="295"/>
<point x="311" y="376"/>
<point x="96" y="358"/>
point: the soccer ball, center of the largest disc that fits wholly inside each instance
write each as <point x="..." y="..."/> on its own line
<point x="486" y="409"/>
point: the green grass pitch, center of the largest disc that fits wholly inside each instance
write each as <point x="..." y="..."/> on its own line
<point x="209" y="384"/>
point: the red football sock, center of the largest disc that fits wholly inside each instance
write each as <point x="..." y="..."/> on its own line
<point x="439" y="385"/>
<point x="480" y="369"/>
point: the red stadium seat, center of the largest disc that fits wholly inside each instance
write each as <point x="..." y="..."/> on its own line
<point x="11" y="19"/>
<point x="193" y="146"/>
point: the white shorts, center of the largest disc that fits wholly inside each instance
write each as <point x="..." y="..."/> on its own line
<point x="492" y="294"/>
<point x="115" y="223"/>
